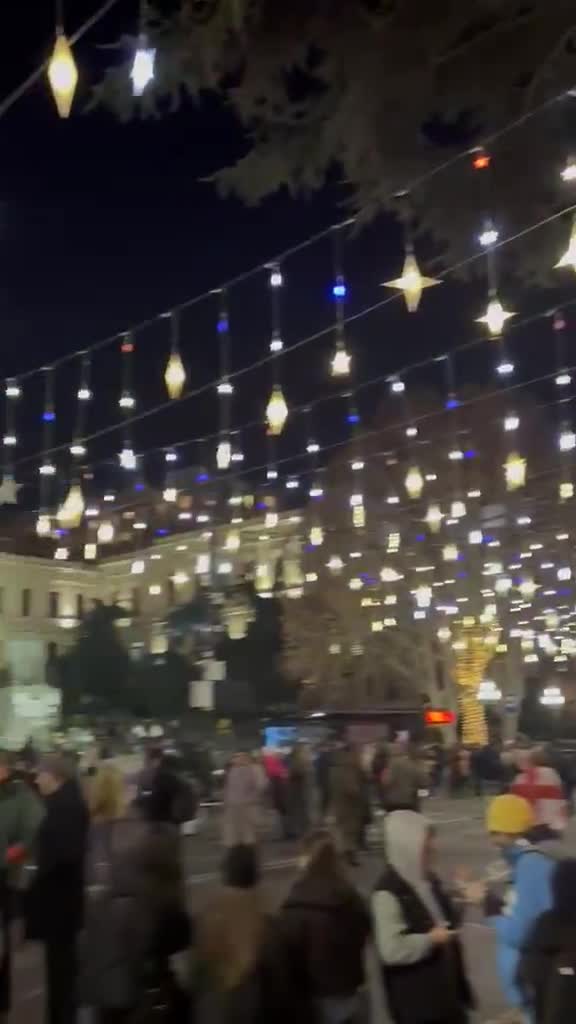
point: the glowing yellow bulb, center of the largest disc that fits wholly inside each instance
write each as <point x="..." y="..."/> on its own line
<point x="175" y="375"/>
<point x="414" y="482"/>
<point x="450" y="553"/>
<point x="276" y="411"/>
<point x="105" y="533"/>
<point x="495" y="316"/>
<point x="515" y="471"/>
<point x="71" y="511"/>
<point x="566" y="490"/>
<point x="340" y="363"/>
<point x="63" y="75"/>
<point x="316" y="536"/>
<point x="434" y="517"/>
<point x="359" y="516"/>
<point x="412" y="283"/>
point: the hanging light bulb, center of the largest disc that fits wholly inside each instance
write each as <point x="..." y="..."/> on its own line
<point x="340" y="363"/>
<point x="170" y="494"/>
<point x="434" y="517"/>
<point x="414" y="482"/>
<point x="568" y="173"/>
<point x="423" y="596"/>
<point x="450" y="553"/>
<point x="566" y="490"/>
<point x="495" y="316"/>
<point x="515" y="471"/>
<point x="70" y="513"/>
<point x="511" y="422"/>
<point x="411" y="283"/>
<point x="175" y="375"/>
<point x="566" y="440"/>
<point x="142" y="71"/>
<point x="43" y="525"/>
<point x="232" y="542"/>
<point x="276" y="411"/>
<point x="223" y="454"/>
<point x="127" y="458"/>
<point x="62" y="74"/>
<point x="569" y="257"/>
<point x="359" y="517"/>
<point x="475" y="537"/>
<point x="458" y="509"/>
<point x="316" y="536"/>
<point x="105" y="532"/>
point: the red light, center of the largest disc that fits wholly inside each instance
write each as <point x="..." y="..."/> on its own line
<point x="435" y="716"/>
<point x="559" y="322"/>
<point x="481" y="161"/>
<point x="127" y="346"/>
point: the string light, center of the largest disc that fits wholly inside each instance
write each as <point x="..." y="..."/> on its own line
<point x="175" y="374"/>
<point x="566" y="440"/>
<point x="489" y="236"/>
<point x="565" y="490"/>
<point x="62" y="74"/>
<point x="504" y="368"/>
<point x="450" y="553"/>
<point x="276" y="411"/>
<point x="568" y="173"/>
<point x="170" y="495"/>
<point x="475" y="537"/>
<point x="414" y="482"/>
<point x="397" y="386"/>
<point x="434" y="517"/>
<point x="458" y="509"/>
<point x="495" y="316"/>
<point x="70" y="513"/>
<point x="12" y="389"/>
<point x="511" y="422"/>
<point x="43" y="525"/>
<point x="340" y="363"/>
<point x="127" y="458"/>
<point x="142" y="70"/>
<point x="411" y="282"/>
<point x="515" y="471"/>
<point x="105" y="532"/>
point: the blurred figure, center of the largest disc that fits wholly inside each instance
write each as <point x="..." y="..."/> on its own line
<point x="132" y="932"/>
<point x="171" y="799"/>
<point x="298" y="791"/>
<point x="325" y="925"/>
<point x="242" y="976"/>
<point x="20" y="816"/>
<point x="415" y="926"/>
<point x="323" y="768"/>
<point x="105" y="794"/>
<point x="55" y="901"/>
<point x="349" y="801"/>
<point x="277" y="778"/>
<point x="547" y="972"/>
<point x="402" y="780"/>
<point x="242" y="800"/>
<point x="531" y="858"/>
<point x="542" y="787"/>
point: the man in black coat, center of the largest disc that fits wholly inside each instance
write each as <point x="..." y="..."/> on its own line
<point x="56" y="897"/>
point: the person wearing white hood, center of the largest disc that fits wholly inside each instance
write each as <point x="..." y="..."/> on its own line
<point x="415" y="926"/>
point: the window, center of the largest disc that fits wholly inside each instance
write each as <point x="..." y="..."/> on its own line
<point x="79" y="606"/>
<point x="26" y="602"/>
<point x="53" y="604"/>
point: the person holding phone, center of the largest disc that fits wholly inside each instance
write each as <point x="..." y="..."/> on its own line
<point x="416" y="930"/>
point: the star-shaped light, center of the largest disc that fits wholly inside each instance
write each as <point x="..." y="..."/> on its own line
<point x="495" y="316"/>
<point x="412" y="283"/>
<point x="569" y="257"/>
<point x="9" y="490"/>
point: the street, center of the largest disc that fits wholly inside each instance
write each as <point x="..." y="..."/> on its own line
<point x="461" y="841"/>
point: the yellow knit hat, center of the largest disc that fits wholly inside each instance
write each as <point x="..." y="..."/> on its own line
<point x="511" y="815"/>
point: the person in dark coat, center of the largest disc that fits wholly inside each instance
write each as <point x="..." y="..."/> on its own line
<point x="133" y="931"/>
<point x="415" y="925"/>
<point x="55" y="903"/>
<point x="325" y="925"/>
<point x="547" y="971"/>
<point x="171" y="800"/>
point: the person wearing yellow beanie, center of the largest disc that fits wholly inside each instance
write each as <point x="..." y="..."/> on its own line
<point x="509" y="816"/>
<point x="511" y="823"/>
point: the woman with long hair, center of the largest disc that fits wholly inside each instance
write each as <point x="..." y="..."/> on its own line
<point x="325" y="925"/>
<point x="239" y="974"/>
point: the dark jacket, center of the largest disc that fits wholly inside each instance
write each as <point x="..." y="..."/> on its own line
<point x="20" y="815"/>
<point x="435" y="989"/>
<point x="171" y="799"/>
<point x="55" y="901"/>
<point x="325" y="925"/>
<point x="547" y="970"/>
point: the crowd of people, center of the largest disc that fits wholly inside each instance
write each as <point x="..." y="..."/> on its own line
<point x="133" y="951"/>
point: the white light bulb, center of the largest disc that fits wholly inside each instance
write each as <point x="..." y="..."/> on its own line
<point x="223" y="454"/>
<point x="77" y="449"/>
<point x="505" y="368"/>
<point x="475" y="537"/>
<point x="225" y="388"/>
<point x="170" y="494"/>
<point x="276" y="279"/>
<point x="340" y="363"/>
<point x="127" y="458"/>
<point x="171" y="456"/>
<point x="142" y="71"/>
<point x="397" y="386"/>
<point x="47" y="469"/>
<point x="312" y="447"/>
<point x="84" y="394"/>
<point x="568" y="173"/>
<point x="276" y="343"/>
<point x="9" y="440"/>
<point x="43" y="525"/>
<point x="488" y="237"/>
<point x="563" y="379"/>
<point x="567" y="440"/>
<point x="105" y="532"/>
<point x="12" y="389"/>
<point x="511" y="422"/>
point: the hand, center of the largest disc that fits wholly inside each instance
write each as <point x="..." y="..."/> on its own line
<point x="440" y="936"/>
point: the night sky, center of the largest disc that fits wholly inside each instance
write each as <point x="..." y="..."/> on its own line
<point x="104" y="224"/>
